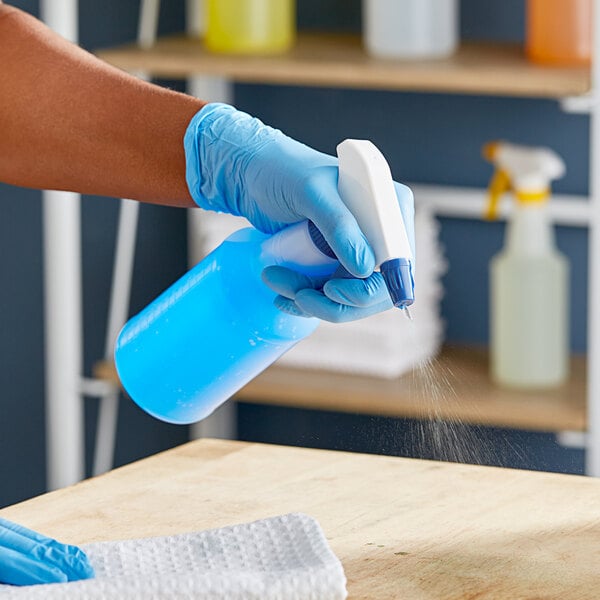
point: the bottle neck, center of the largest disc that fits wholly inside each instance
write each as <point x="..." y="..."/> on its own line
<point x="529" y="231"/>
<point x="293" y="247"/>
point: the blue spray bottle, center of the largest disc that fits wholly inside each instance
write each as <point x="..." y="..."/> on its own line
<point x="217" y="328"/>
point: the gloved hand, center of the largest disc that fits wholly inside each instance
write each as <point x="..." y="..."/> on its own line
<point x="238" y="165"/>
<point x="27" y="558"/>
<point x="341" y="297"/>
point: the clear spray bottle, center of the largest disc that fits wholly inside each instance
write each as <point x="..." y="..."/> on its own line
<point x="217" y="328"/>
<point x="529" y="278"/>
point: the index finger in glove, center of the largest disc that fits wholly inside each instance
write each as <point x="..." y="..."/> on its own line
<point x="340" y="228"/>
<point x="359" y="292"/>
<point x="287" y="282"/>
<point x="325" y="208"/>
<point x="316" y="304"/>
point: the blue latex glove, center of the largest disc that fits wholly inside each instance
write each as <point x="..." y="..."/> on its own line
<point x="28" y="558"/>
<point x="341" y="297"/>
<point x="238" y="165"/>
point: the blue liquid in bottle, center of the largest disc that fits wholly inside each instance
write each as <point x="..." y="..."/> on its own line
<point x="208" y="335"/>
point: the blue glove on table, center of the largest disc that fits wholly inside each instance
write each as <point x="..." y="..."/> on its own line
<point x="27" y="558"/>
<point x="238" y="165"/>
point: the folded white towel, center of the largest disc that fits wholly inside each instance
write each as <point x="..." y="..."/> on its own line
<point x="280" y="558"/>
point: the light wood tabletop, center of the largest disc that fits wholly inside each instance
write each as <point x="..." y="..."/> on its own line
<point x="403" y="528"/>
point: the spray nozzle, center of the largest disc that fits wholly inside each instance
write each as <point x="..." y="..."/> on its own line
<point x="525" y="170"/>
<point x="398" y="277"/>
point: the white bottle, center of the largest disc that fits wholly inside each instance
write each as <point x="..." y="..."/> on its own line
<point x="410" y="28"/>
<point x="529" y="278"/>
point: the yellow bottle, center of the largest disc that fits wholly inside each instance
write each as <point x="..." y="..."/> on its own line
<point x="529" y="278"/>
<point x="250" y="26"/>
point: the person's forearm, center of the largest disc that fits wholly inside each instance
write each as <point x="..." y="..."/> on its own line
<point x="69" y="121"/>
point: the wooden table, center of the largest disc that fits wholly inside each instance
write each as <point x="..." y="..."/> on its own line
<point x="406" y="529"/>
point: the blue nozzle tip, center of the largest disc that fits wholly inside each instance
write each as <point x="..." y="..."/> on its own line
<point x="397" y="274"/>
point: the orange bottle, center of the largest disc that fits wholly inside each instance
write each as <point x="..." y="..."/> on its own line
<point x="559" y="32"/>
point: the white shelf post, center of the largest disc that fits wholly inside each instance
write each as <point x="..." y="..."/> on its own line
<point x="63" y="306"/>
<point x="108" y="410"/>
<point x="593" y="394"/>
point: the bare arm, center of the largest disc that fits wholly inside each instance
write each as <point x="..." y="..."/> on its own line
<point x="68" y="121"/>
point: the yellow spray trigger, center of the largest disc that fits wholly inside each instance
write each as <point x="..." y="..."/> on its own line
<point x="526" y="171"/>
<point x="499" y="184"/>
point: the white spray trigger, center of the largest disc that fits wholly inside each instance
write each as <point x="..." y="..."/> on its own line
<point x="366" y="187"/>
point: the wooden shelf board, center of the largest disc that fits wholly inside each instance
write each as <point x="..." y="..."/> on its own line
<point x="455" y="387"/>
<point x="338" y="60"/>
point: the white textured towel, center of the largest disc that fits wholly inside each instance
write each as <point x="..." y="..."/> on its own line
<point x="283" y="558"/>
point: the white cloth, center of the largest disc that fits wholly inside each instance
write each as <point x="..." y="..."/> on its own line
<point x="283" y="558"/>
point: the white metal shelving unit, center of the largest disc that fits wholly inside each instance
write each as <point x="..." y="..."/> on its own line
<point x="65" y="383"/>
<point x="593" y="392"/>
<point x="63" y="306"/>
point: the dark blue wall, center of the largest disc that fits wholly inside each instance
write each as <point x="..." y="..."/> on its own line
<point x="428" y="138"/>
